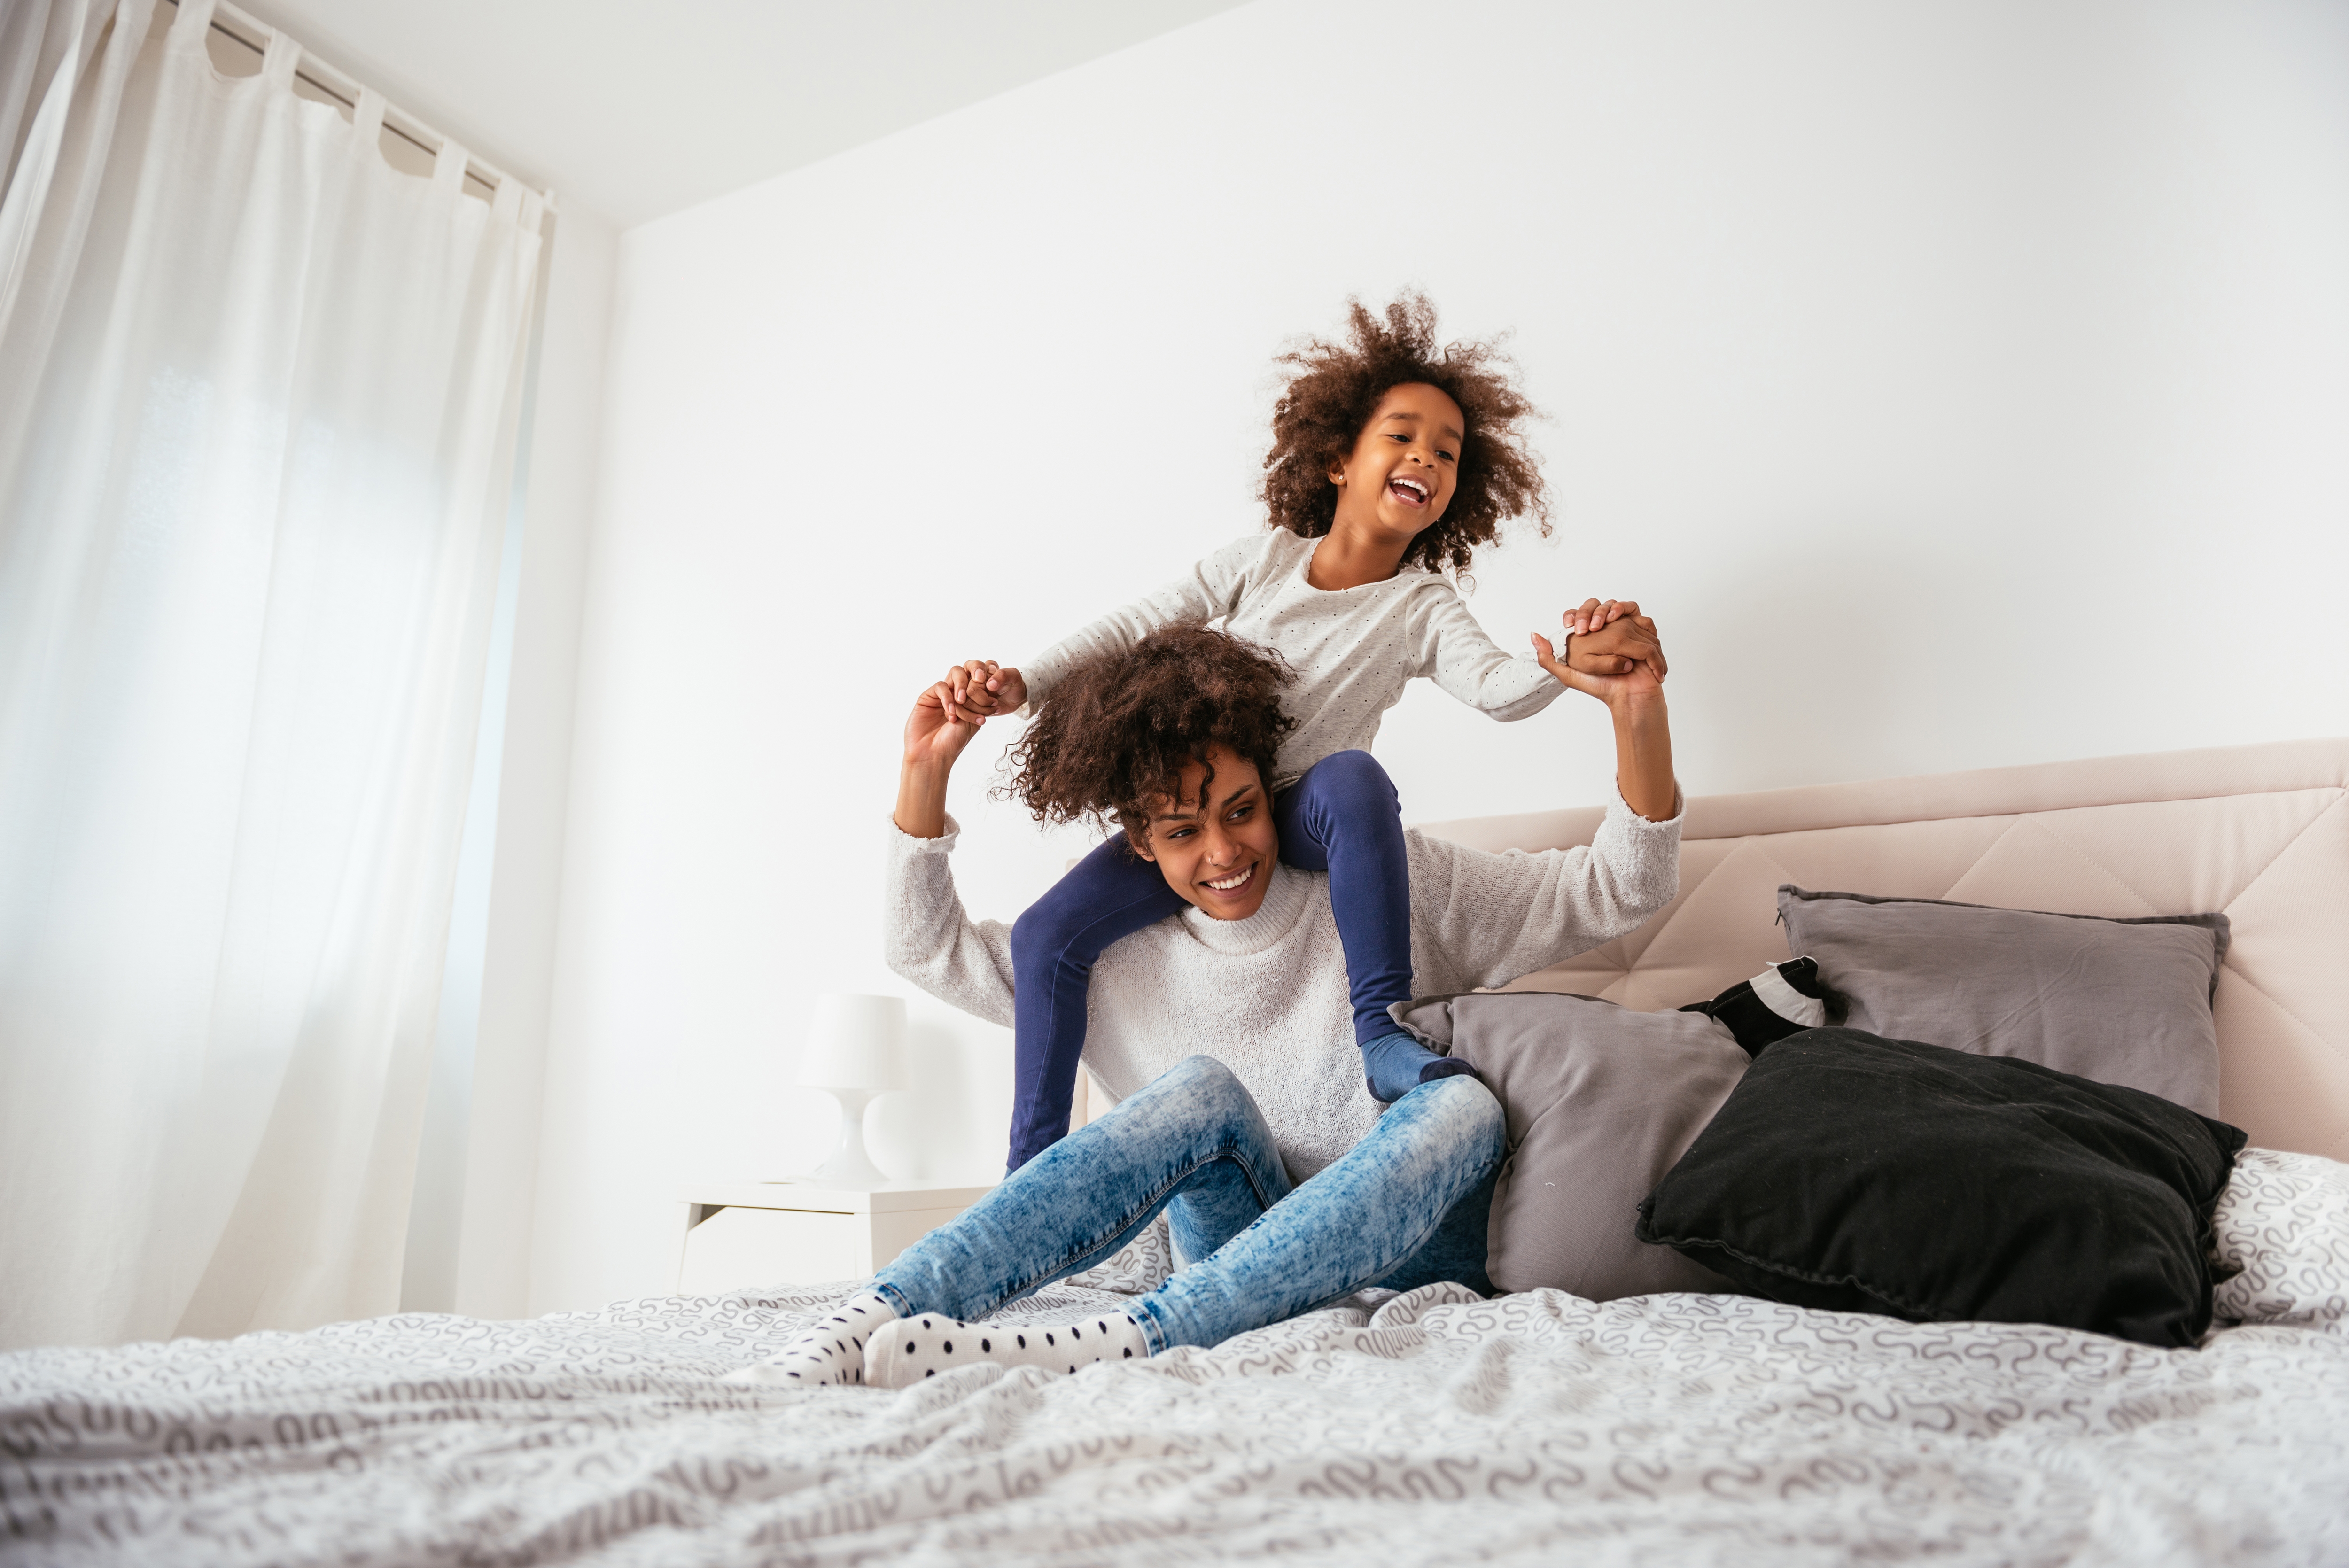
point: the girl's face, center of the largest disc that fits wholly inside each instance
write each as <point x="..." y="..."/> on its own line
<point x="1218" y="852"/>
<point x="1404" y="466"/>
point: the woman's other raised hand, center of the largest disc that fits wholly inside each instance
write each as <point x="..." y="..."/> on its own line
<point x="935" y="737"/>
<point x="1643" y="736"/>
<point x="981" y="688"/>
<point x="935" y="732"/>
<point x="1609" y="639"/>
<point x="1639" y="672"/>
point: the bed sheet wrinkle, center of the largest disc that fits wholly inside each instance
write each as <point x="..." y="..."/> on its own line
<point x="1531" y="1428"/>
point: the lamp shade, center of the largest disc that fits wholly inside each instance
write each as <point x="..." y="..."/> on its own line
<point x="852" y="1042"/>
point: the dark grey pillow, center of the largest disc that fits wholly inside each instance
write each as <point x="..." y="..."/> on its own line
<point x="2117" y="1001"/>
<point x="1601" y="1101"/>
<point x="1866" y="1175"/>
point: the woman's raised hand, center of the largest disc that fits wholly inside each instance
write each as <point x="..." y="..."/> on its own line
<point x="1607" y="639"/>
<point x="1621" y="661"/>
<point x="935" y="731"/>
<point x="1643" y="731"/>
<point x="980" y="688"/>
<point x="935" y="737"/>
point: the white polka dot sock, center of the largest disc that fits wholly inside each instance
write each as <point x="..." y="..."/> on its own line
<point x="904" y="1352"/>
<point x="831" y="1352"/>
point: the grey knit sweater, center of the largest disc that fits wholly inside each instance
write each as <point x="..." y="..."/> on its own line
<point x="1267" y="995"/>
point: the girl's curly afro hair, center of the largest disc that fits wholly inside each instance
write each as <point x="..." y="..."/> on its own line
<point x="1333" y="387"/>
<point x="1112" y="737"/>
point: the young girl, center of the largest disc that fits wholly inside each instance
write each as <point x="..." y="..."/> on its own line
<point x="1392" y="461"/>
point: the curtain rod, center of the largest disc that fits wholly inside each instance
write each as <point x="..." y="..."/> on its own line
<point x="490" y="176"/>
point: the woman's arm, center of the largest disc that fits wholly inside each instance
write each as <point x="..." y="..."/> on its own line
<point x="934" y="739"/>
<point x="1485" y="919"/>
<point x="926" y="937"/>
<point x="1643" y="730"/>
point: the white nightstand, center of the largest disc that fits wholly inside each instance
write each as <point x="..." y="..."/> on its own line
<point x="742" y="1234"/>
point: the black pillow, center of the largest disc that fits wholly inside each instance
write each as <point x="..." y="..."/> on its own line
<point x="1862" y="1174"/>
<point x="1784" y="999"/>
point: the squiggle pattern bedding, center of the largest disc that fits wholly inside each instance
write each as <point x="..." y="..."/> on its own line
<point x="1534" y="1428"/>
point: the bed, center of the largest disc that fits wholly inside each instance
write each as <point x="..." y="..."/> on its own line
<point x="1432" y="1427"/>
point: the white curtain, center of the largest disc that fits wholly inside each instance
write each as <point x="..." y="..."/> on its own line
<point x="258" y="398"/>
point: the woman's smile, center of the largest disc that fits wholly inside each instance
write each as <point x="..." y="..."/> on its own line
<point x="1235" y="883"/>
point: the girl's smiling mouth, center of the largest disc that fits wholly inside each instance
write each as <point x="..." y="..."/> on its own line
<point x="1409" y="491"/>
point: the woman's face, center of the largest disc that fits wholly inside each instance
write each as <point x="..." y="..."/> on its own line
<point x="1217" y="852"/>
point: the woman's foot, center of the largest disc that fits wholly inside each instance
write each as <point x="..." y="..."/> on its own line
<point x="833" y="1352"/>
<point x="1394" y="1065"/>
<point x="904" y="1352"/>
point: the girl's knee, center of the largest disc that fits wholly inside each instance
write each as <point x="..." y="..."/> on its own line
<point x="1045" y="930"/>
<point x="1355" y="780"/>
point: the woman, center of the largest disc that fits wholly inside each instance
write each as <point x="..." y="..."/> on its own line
<point x="1226" y="1031"/>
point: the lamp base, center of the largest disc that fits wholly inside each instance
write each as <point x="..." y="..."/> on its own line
<point x="848" y="1166"/>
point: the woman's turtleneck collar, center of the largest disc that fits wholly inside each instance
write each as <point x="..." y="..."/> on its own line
<point x="1288" y="895"/>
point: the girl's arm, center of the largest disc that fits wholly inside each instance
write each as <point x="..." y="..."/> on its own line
<point x="1458" y="655"/>
<point x="926" y="937"/>
<point x="1209" y="590"/>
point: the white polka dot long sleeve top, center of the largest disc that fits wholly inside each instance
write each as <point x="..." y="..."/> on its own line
<point x="1353" y="648"/>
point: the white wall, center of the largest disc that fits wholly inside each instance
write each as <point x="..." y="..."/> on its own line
<point x="1958" y="383"/>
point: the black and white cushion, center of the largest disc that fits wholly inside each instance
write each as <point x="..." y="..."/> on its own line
<point x="1784" y="999"/>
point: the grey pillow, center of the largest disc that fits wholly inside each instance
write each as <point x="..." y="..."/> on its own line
<point x="2118" y="1001"/>
<point x="1601" y="1101"/>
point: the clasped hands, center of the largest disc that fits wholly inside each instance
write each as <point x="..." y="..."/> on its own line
<point x="1602" y="637"/>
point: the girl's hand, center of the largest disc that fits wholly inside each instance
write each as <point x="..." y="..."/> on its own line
<point x="1594" y="615"/>
<point x="981" y="688"/>
<point x="1639" y="680"/>
<point x="935" y="734"/>
<point x="1612" y="648"/>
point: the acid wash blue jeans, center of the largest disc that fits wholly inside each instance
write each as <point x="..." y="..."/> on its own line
<point x="1405" y="1207"/>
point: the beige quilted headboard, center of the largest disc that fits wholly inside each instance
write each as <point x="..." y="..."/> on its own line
<point x="2258" y="831"/>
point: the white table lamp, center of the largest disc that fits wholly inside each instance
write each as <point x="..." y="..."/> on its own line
<point x="852" y="1054"/>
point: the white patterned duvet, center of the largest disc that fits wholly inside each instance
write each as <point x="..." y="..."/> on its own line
<point x="1534" y="1428"/>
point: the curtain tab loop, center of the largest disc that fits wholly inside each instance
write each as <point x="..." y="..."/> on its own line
<point x="279" y="62"/>
<point x="534" y="211"/>
<point x="195" y="15"/>
<point x="448" y="169"/>
<point x="367" y="122"/>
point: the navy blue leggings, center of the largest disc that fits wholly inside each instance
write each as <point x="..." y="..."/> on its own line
<point x="1343" y="816"/>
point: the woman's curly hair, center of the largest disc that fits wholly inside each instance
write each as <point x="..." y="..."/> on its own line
<point x="1113" y="735"/>
<point x="1331" y="390"/>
